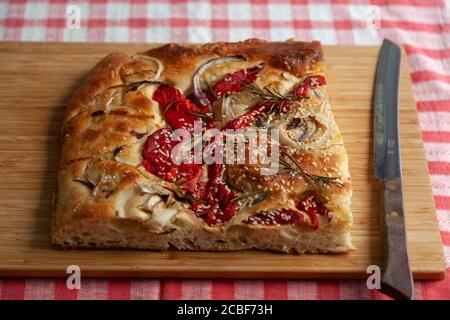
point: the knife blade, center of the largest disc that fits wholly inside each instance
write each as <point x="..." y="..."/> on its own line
<point x="396" y="280"/>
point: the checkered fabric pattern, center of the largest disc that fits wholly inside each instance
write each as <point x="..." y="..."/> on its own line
<point x="421" y="26"/>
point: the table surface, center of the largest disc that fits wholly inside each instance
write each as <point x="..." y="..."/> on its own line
<point x="423" y="28"/>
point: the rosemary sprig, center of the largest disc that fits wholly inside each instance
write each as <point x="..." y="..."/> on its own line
<point x="315" y="180"/>
<point x="271" y="95"/>
<point x="262" y="195"/>
<point x="201" y="115"/>
<point x="192" y="198"/>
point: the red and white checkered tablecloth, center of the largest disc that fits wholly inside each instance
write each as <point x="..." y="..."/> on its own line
<point x="422" y="26"/>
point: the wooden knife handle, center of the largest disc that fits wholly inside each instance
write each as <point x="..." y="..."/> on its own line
<point x="396" y="280"/>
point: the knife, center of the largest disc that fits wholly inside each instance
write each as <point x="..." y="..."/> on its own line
<point x="396" y="279"/>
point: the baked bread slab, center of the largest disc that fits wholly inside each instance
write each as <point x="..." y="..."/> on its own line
<point x="116" y="189"/>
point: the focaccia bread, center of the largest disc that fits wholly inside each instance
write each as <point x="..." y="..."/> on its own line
<point x="119" y="185"/>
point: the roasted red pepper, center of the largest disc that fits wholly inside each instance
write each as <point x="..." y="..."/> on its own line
<point x="214" y="195"/>
<point x="313" y="208"/>
<point x="158" y="161"/>
<point x="156" y="155"/>
<point x="189" y="175"/>
<point x="235" y="82"/>
<point x="310" y="205"/>
<point x="245" y="120"/>
<point x="301" y="90"/>
<point x="248" y="118"/>
<point x="165" y="95"/>
<point x="281" y="216"/>
<point x="217" y="196"/>
<point x="180" y="112"/>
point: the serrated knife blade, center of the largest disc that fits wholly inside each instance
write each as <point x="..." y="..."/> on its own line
<point x="396" y="280"/>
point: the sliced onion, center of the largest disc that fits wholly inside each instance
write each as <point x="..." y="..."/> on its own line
<point x="309" y="132"/>
<point x="120" y="89"/>
<point x="144" y="74"/>
<point x="201" y="96"/>
<point x="231" y="109"/>
<point x="226" y="108"/>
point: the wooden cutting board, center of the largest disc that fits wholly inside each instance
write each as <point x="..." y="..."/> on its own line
<point x="36" y="81"/>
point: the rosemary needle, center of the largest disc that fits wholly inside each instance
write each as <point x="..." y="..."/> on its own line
<point x="262" y="194"/>
<point x="272" y="95"/>
<point x="314" y="179"/>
